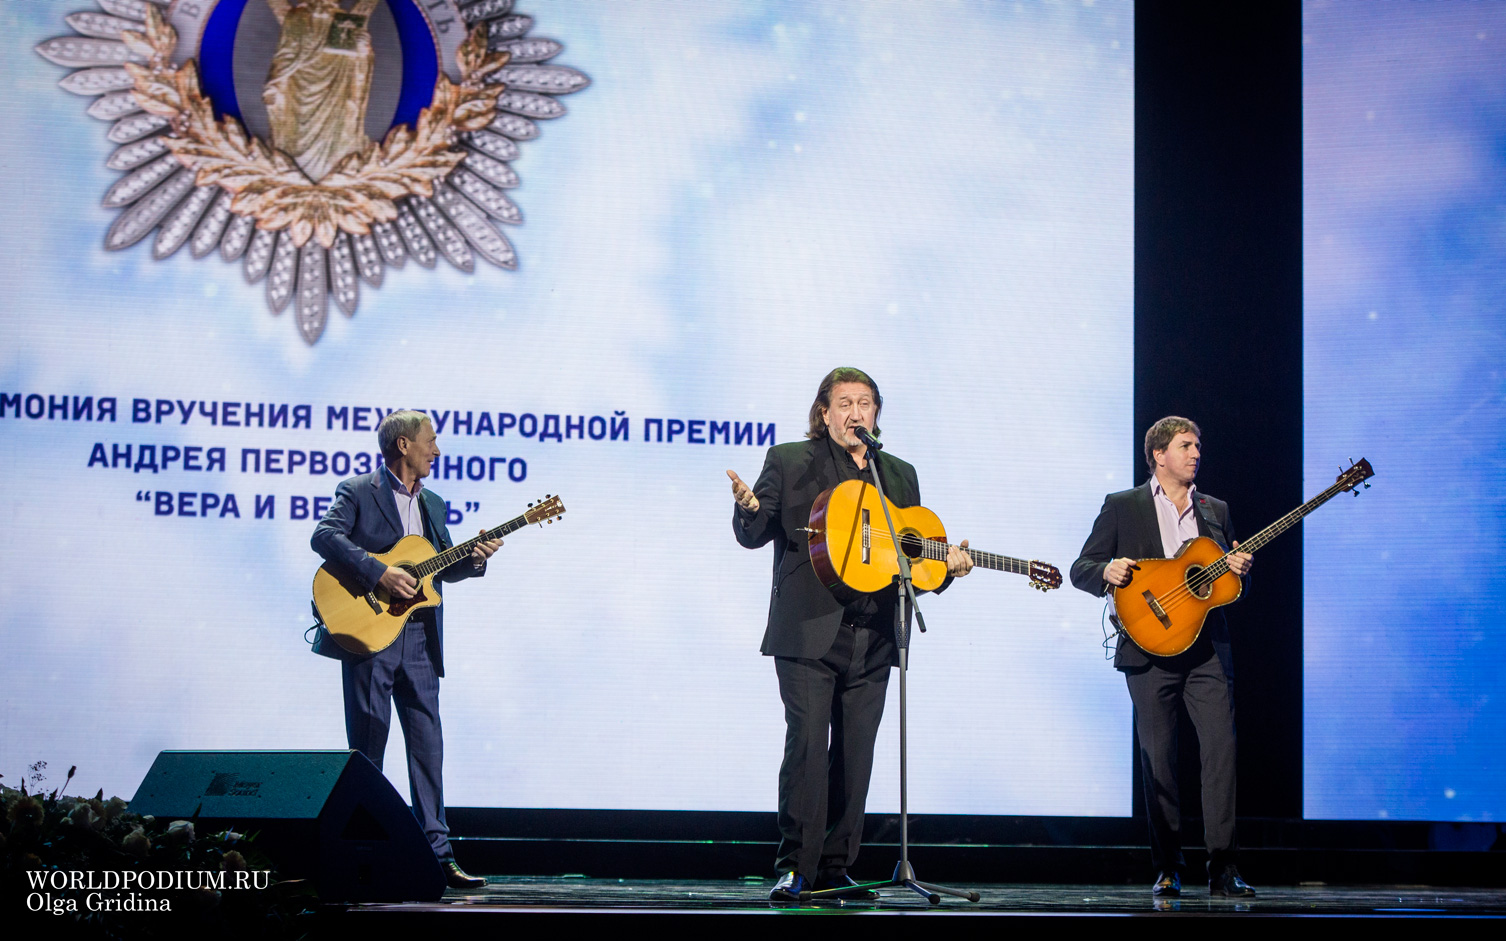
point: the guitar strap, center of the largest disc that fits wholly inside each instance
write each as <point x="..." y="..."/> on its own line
<point x="1205" y="510"/>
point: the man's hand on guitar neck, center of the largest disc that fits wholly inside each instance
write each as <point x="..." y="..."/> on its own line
<point x="483" y="551"/>
<point x="742" y="493"/>
<point x="1240" y="563"/>
<point x="958" y="562"/>
<point x="399" y="584"/>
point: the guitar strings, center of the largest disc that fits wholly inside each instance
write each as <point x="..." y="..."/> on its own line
<point x="1215" y="570"/>
<point x="461" y="550"/>
<point x="875" y="536"/>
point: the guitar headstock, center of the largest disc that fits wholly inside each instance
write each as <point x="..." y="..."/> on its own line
<point x="1356" y="474"/>
<point x="545" y="511"/>
<point x="1045" y="577"/>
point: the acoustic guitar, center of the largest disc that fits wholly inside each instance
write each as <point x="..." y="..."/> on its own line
<point x="365" y="622"/>
<point x="1163" y="607"/>
<point x="851" y="548"/>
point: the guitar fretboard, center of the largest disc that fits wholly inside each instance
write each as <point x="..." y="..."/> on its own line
<point x="936" y="549"/>
<point x="455" y="553"/>
<point x="1264" y="537"/>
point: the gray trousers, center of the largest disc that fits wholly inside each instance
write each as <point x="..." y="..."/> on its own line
<point x="403" y="673"/>
<point x="1203" y="686"/>
<point x="832" y="709"/>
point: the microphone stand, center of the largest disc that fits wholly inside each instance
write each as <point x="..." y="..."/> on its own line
<point x="904" y="873"/>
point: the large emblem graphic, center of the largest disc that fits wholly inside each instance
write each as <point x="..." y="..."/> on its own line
<point x="317" y="142"/>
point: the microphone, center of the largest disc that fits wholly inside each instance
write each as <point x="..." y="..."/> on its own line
<point x="866" y="436"/>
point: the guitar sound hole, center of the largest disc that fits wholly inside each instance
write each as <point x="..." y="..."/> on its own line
<point x="912" y="544"/>
<point x="1202" y="591"/>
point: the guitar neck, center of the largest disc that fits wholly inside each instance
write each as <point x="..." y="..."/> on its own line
<point x="936" y="549"/>
<point x="1262" y="538"/>
<point x="462" y="550"/>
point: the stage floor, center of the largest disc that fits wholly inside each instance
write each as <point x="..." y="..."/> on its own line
<point x="749" y="897"/>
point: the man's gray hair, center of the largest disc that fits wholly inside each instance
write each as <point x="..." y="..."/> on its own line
<point x="403" y="423"/>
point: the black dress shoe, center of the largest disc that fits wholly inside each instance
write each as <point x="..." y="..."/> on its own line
<point x="457" y="878"/>
<point x="1168" y="885"/>
<point x="841" y="880"/>
<point x="1228" y="884"/>
<point x="789" y="887"/>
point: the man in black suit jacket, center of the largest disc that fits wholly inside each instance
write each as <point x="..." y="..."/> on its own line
<point x="832" y="658"/>
<point x="1151" y="522"/>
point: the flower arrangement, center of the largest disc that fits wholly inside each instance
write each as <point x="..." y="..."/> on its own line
<point x="56" y="850"/>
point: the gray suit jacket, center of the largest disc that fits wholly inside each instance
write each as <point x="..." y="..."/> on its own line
<point x="1126" y="527"/>
<point x="364" y="520"/>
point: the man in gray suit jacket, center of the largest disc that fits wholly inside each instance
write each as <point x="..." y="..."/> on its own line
<point x="1152" y="521"/>
<point x="370" y="514"/>
<point x="832" y="656"/>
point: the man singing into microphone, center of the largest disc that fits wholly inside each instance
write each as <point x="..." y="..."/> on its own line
<point x="832" y="659"/>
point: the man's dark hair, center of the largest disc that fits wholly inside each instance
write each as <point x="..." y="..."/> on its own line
<point x="823" y="398"/>
<point x="1158" y="438"/>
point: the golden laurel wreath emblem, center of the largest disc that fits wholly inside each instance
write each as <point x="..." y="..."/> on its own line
<point x="268" y="186"/>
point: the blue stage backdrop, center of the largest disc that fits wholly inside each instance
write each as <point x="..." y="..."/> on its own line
<point x="706" y="206"/>
<point x="1405" y="364"/>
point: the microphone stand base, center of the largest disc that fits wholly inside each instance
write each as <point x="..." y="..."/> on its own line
<point x="904" y="878"/>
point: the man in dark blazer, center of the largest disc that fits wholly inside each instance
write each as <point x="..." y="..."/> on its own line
<point x="832" y="657"/>
<point x="371" y="513"/>
<point x="1151" y="522"/>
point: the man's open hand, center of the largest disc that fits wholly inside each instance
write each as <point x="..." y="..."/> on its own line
<point x="742" y="493"/>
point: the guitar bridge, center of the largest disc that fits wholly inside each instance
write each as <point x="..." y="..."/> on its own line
<point x="371" y="599"/>
<point x="1157" y="610"/>
<point x="867" y="539"/>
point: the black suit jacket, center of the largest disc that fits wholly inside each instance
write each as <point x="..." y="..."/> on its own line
<point x="803" y="614"/>
<point x="1126" y="527"/>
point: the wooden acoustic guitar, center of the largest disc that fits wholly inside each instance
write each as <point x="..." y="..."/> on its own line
<point x="851" y="548"/>
<point x="1163" y="607"/>
<point x="364" y="622"/>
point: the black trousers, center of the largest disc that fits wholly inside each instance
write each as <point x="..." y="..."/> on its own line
<point x="832" y="710"/>
<point x="1202" y="684"/>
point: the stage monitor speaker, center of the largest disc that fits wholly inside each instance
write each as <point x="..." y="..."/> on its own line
<point x="329" y="816"/>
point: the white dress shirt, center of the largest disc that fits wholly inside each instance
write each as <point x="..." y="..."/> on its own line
<point x="1176" y="527"/>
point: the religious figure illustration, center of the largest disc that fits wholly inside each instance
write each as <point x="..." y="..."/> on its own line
<point x="320" y="81"/>
<point x="317" y="209"/>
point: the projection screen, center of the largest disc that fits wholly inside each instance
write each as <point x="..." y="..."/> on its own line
<point x="712" y="205"/>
